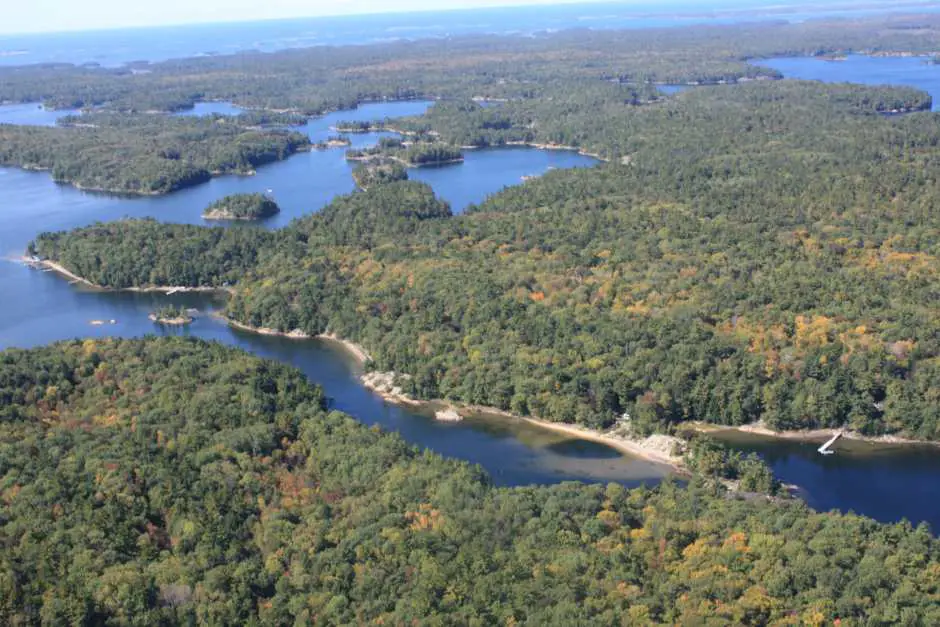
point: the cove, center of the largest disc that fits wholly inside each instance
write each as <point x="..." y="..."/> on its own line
<point x="33" y="114"/>
<point x="42" y="307"/>
<point x="866" y="70"/>
<point x="903" y="478"/>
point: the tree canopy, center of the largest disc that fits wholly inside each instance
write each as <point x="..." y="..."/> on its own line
<point x="172" y="481"/>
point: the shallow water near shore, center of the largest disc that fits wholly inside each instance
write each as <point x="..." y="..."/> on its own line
<point x="42" y="307"/>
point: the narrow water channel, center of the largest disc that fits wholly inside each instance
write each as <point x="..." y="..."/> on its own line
<point x="42" y="307"/>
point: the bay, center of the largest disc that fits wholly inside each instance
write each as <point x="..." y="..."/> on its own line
<point x="41" y="307"/>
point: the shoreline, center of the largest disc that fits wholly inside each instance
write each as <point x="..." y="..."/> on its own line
<point x="813" y="435"/>
<point x="356" y="350"/>
<point x="581" y="151"/>
<point x="62" y="270"/>
<point x="380" y="384"/>
<point x="649" y="449"/>
<point x="366" y="159"/>
<point x="641" y="449"/>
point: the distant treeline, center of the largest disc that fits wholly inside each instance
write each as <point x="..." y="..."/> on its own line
<point x="320" y="79"/>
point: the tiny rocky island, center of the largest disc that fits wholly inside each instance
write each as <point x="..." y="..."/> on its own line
<point x="242" y="207"/>
<point x="171" y="316"/>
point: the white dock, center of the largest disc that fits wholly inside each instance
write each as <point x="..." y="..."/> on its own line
<point x="826" y="449"/>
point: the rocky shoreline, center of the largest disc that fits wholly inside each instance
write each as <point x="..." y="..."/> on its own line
<point x="174" y="322"/>
<point x="656" y="448"/>
<point x="814" y="435"/>
<point x="46" y="264"/>
<point x="354" y="349"/>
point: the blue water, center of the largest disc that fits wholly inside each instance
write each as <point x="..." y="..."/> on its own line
<point x="885" y="483"/>
<point x="117" y="47"/>
<point x="472" y="181"/>
<point x="32" y="114"/>
<point x="909" y="71"/>
<point x="671" y="90"/>
<point x="42" y="307"/>
<point x="302" y="184"/>
<point x="210" y="108"/>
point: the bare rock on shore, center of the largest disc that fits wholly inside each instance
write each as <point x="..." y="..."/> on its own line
<point x="384" y="384"/>
<point x="667" y="446"/>
<point x="448" y="415"/>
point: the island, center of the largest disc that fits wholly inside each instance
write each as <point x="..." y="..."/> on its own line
<point x="411" y="154"/>
<point x="334" y="141"/>
<point x="171" y="316"/>
<point x="242" y="207"/>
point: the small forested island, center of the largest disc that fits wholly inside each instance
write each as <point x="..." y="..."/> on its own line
<point x="410" y="154"/>
<point x="360" y="126"/>
<point x="173" y="481"/>
<point x="333" y="142"/>
<point x="171" y="316"/>
<point x="242" y="207"/>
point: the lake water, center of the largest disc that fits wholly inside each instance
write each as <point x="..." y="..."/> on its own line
<point x="32" y="114"/>
<point x="42" y="307"/>
<point x="885" y="482"/>
<point x="909" y="71"/>
<point x="209" y="108"/>
<point x="117" y="47"/>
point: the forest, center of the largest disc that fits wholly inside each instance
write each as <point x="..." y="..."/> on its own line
<point x="173" y="481"/>
<point x="409" y="154"/>
<point x="374" y="173"/>
<point x="241" y="207"/>
<point x="750" y="249"/>
<point x="324" y="78"/>
<point x="145" y="153"/>
<point x="761" y="252"/>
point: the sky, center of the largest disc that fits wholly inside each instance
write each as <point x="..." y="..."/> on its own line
<point x="32" y="16"/>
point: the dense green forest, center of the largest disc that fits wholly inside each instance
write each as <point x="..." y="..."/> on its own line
<point x="242" y="207"/>
<point x="561" y="89"/>
<point x="409" y="154"/>
<point x="145" y="154"/>
<point x="172" y="481"/>
<point x="763" y="252"/>
<point x="374" y="173"/>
